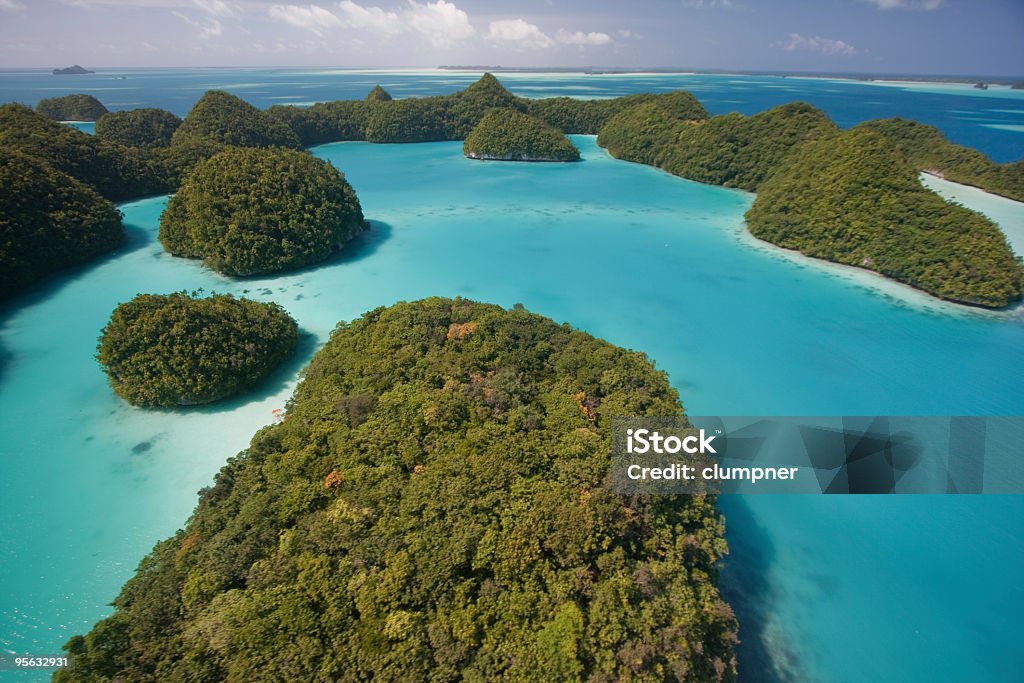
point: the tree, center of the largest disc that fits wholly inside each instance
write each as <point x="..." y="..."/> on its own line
<point x="247" y="211"/>
<point x="138" y="127"/>
<point x="48" y="221"/>
<point x="222" y="117"/>
<point x="462" y="528"/>
<point x="179" y="350"/>
<point x="379" y="94"/>
<point x="71" y="108"/>
<point x="508" y="135"/>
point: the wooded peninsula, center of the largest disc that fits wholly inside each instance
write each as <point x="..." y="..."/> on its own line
<point x="435" y="506"/>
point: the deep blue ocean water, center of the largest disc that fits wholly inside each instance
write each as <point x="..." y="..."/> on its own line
<point x="827" y="588"/>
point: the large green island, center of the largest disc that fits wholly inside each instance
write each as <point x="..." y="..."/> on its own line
<point x="434" y="506"/>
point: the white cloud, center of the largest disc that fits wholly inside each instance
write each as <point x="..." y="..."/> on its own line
<point x="796" y="42"/>
<point x="184" y="4"/>
<point x="208" y="28"/>
<point x="518" y="31"/>
<point x="528" y="35"/>
<point x="369" y="18"/>
<point x="217" y="7"/>
<point x="707" y="4"/>
<point x="581" y="38"/>
<point x="441" y="23"/>
<point x="310" y="17"/>
<point x="924" y="5"/>
<point x="11" y="5"/>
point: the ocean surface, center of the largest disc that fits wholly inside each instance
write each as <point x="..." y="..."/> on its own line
<point x="911" y="588"/>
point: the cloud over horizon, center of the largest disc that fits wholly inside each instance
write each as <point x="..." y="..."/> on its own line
<point x="824" y="46"/>
<point x="872" y="36"/>
<point x="923" y="5"/>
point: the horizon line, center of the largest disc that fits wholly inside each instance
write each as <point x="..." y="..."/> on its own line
<point x="605" y="70"/>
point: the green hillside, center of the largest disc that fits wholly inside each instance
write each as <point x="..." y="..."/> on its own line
<point x="435" y="506"/>
<point x="853" y="198"/>
<point x="508" y="135"/>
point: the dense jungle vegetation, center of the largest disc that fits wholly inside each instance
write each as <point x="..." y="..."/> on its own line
<point x="851" y="197"/>
<point x="453" y="117"/>
<point x="730" y="150"/>
<point x="138" y="127"/>
<point x="509" y="135"/>
<point x="247" y="211"/>
<point x="71" y="108"/>
<point x="668" y="130"/>
<point x="115" y="171"/>
<point x="177" y="350"/>
<point x="48" y="221"/>
<point x="223" y="118"/>
<point x="929" y="150"/>
<point x="435" y="506"/>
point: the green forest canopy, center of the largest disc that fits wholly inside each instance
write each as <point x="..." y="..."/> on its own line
<point x="929" y="150"/>
<point x="854" y="197"/>
<point x="509" y="135"/>
<point x="669" y="130"/>
<point x="115" y="171"/>
<point x="138" y="127"/>
<point x="247" y="211"/>
<point x="730" y="150"/>
<point x="379" y="94"/>
<point x="176" y="350"/>
<point x="452" y="117"/>
<point x="71" y="108"/>
<point x="48" y="221"/>
<point x="435" y="506"/>
<point x="851" y="197"/>
<point x="221" y="117"/>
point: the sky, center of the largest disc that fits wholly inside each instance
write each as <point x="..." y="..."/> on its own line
<point x="966" y="37"/>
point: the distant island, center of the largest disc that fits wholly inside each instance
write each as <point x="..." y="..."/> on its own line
<point x="1015" y="83"/>
<point x="72" y="71"/>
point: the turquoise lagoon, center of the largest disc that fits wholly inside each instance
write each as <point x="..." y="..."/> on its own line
<point x="827" y="588"/>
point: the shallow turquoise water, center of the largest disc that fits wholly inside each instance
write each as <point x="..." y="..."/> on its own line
<point x="84" y="126"/>
<point x="852" y="589"/>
